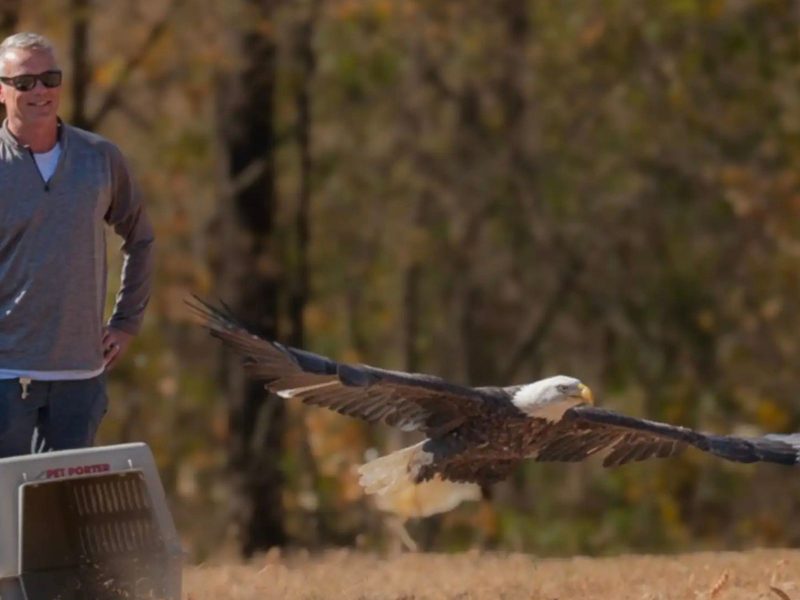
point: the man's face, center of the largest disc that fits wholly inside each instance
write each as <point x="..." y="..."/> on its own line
<point x="37" y="105"/>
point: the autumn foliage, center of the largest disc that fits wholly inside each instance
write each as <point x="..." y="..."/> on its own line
<point x="488" y="191"/>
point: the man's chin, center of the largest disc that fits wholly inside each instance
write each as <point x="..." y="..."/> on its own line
<point x="41" y="115"/>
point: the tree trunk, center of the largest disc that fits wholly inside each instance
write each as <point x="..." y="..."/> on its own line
<point x="80" y="61"/>
<point x="304" y="51"/>
<point x="248" y="274"/>
<point x="9" y="16"/>
<point x="306" y="61"/>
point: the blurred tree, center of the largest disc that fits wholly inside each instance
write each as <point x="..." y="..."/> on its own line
<point x="306" y="57"/>
<point x="491" y="192"/>
<point x="248" y="271"/>
<point x="80" y="10"/>
<point x="9" y="16"/>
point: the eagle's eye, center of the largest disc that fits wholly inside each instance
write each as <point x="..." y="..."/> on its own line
<point x="562" y="389"/>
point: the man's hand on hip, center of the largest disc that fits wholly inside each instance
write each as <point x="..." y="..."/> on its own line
<point x="115" y="344"/>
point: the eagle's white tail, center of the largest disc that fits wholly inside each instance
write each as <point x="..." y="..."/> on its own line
<point x="392" y="479"/>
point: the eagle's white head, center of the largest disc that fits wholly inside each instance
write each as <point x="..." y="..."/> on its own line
<point x="550" y="398"/>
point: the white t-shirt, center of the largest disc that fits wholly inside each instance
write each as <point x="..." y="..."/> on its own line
<point x="47" y="161"/>
<point x="50" y="375"/>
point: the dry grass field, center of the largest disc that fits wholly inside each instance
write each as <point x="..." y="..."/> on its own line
<point x="753" y="575"/>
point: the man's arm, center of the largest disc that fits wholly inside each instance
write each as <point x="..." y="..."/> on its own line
<point x="127" y="216"/>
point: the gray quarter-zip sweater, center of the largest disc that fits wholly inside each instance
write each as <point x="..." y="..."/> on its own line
<point x="53" y="252"/>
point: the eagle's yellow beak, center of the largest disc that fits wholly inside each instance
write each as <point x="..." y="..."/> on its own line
<point x="586" y="394"/>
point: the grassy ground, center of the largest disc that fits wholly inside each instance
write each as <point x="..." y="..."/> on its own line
<point x="761" y="574"/>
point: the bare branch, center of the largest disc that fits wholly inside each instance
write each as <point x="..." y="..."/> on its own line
<point x="112" y="97"/>
<point x="537" y="330"/>
<point x="135" y="116"/>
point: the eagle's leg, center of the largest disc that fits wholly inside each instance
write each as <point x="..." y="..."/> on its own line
<point x="393" y="471"/>
<point x="407" y="482"/>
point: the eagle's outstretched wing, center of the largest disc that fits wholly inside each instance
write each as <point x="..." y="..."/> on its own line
<point x="585" y="431"/>
<point x="405" y="400"/>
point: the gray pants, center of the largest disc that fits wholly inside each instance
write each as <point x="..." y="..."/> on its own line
<point x="65" y="413"/>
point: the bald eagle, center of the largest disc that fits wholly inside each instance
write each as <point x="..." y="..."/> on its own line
<point x="473" y="435"/>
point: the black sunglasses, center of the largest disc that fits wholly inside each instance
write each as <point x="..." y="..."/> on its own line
<point x="25" y="83"/>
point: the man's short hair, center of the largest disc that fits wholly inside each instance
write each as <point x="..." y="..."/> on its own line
<point x="23" y="41"/>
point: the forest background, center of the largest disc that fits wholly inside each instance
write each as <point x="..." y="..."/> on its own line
<point x="490" y="191"/>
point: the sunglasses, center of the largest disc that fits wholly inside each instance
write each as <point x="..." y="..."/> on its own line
<point x="25" y="83"/>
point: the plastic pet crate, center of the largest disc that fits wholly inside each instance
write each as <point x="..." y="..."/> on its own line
<point x="88" y="524"/>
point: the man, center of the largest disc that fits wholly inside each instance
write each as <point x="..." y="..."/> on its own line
<point x="59" y="187"/>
